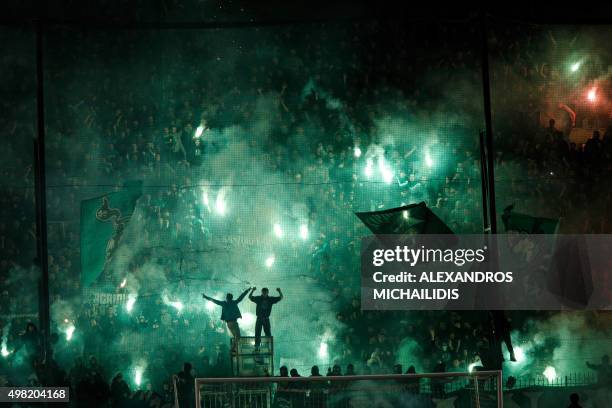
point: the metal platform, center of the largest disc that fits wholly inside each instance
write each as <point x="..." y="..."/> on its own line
<point x="249" y="362"/>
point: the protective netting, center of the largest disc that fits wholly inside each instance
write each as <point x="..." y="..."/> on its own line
<point x="254" y="147"/>
<point x="550" y="94"/>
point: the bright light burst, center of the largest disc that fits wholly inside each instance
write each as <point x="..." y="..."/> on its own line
<point x="4" y="349"/>
<point x="210" y="306"/>
<point x="220" y="205"/>
<point x="123" y="283"/>
<point x="575" y="66"/>
<point x="519" y="354"/>
<point x="130" y="303"/>
<point x="278" y="231"/>
<point x="206" y="201"/>
<point x="357" y="151"/>
<point x="304" y="231"/>
<point x="592" y="95"/>
<point x="177" y="305"/>
<point x="428" y="160"/>
<point x="138" y="376"/>
<point x="387" y="176"/>
<point x="385" y="171"/>
<point x="474" y="364"/>
<point x="368" y="169"/>
<point x="270" y="261"/>
<point x="199" y="131"/>
<point x="405" y="214"/>
<point x="70" y="332"/>
<point x="550" y="373"/>
<point x="323" y="350"/>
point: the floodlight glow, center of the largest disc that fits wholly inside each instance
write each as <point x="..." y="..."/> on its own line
<point x="4" y="351"/>
<point x="323" y="350"/>
<point x="70" y="332"/>
<point x="550" y="373"/>
<point x="270" y="261"/>
<point x="357" y="151"/>
<point x="278" y="231"/>
<point x="575" y="66"/>
<point x="592" y="95"/>
<point x="177" y="305"/>
<point x="130" y="303"/>
<point x="405" y="214"/>
<point x="304" y="231"/>
<point x="199" y="131"/>
<point x="123" y="283"/>
<point x="210" y="306"/>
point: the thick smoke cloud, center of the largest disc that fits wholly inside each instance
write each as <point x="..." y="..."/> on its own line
<point x="259" y="171"/>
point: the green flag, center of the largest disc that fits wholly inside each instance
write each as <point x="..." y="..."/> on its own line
<point x="409" y="219"/>
<point x="103" y="221"/>
<point x="527" y="224"/>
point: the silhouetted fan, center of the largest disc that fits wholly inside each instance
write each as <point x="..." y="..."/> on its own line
<point x="409" y="219"/>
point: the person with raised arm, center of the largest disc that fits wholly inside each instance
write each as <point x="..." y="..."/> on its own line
<point x="230" y="313"/>
<point x="264" y="304"/>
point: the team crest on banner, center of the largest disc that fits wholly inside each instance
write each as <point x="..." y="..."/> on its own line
<point x="104" y="220"/>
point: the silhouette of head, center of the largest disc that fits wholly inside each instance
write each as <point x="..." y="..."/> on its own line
<point x="284" y="372"/>
<point x="574" y="398"/>
<point x="229" y="297"/>
<point x="187" y="367"/>
<point x="264" y="292"/>
<point x="314" y="370"/>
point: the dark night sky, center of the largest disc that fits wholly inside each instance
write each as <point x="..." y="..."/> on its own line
<point x="151" y="11"/>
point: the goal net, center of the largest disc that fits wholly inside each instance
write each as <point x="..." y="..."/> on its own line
<point x="481" y="389"/>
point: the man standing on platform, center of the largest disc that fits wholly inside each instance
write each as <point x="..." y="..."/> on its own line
<point x="264" y="307"/>
<point x="229" y="311"/>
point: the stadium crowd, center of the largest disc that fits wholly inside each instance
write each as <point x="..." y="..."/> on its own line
<point x="107" y="125"/>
